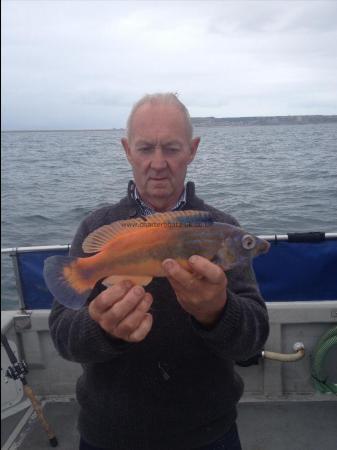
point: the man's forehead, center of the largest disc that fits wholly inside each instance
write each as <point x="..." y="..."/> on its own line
<point x="151" y="122"/>
<point x="155" y="107"/>
<point x="159" y="114"/>
<point x="155" y="141"/>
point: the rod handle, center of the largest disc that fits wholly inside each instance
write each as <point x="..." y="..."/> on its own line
<point x="38" y="409"/>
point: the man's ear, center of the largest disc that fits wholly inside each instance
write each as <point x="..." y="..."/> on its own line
<point x="126" y="147"/>
<point x="194" y="147"/>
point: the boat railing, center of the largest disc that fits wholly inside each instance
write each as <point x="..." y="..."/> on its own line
<point x="37" y="248"/>
<point x="298" y="267"/>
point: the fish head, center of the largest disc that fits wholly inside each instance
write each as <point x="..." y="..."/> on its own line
<point x="254" y="245"/>
<point x="239" y="246"/>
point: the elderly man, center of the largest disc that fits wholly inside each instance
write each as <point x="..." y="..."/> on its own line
<point x="158" y="362"/>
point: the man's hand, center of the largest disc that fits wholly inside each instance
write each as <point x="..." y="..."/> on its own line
<point x="201" y="293"/>
<point x="122" y="311"/>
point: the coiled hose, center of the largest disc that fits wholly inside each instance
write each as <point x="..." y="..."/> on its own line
<point x="325" y="343"/>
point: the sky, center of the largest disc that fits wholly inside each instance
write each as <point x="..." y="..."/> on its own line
<point x="75" y="64"/>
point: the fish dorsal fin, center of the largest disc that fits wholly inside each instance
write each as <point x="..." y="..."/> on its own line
<point x="96" y="240"/>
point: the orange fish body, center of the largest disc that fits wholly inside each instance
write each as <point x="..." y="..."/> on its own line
<point x="134" y="249"/>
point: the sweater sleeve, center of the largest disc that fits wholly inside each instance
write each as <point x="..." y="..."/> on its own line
<point x="243" y="327"/>
<point x="76" y="336"/>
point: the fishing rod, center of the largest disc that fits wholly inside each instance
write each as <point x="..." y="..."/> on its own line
<point x="18" y="370"/>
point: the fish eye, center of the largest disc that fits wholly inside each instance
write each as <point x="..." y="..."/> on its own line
<point x="248" y="241"/>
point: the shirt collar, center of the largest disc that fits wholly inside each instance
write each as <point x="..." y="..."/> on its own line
<point x="147" y="210"/>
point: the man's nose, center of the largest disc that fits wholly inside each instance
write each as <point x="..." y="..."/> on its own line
<point x="158" y="161"/>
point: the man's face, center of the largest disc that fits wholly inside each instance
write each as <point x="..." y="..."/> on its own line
<point x="159" y="151"/>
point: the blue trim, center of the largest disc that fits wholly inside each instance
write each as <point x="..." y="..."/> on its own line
<point x="298" y="271"/>
<point x="35" y="292"/>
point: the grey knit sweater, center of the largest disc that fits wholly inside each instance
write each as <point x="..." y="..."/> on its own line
<point x="177" y="388"/>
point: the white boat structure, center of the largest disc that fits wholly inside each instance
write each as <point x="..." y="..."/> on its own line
<point x="290" y="399"/>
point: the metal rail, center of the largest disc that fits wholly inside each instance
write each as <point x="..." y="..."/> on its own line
<point x="300" y="237"/>
<point x="36" y="248"/>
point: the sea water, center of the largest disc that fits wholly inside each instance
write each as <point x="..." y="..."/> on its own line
<point x="273" y="179"/>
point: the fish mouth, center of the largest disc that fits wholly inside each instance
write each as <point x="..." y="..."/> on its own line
<point x="264" y="246"/>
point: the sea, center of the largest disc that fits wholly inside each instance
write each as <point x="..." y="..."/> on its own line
<point x="274" y="179"/>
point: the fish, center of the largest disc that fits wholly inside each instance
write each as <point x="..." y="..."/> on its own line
<point x="134" y="249"/>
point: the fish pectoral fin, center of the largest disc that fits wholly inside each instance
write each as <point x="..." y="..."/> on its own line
<point x="217" y="260"/>
<point x="136" y="279"/>
<point x="220" y="260"/>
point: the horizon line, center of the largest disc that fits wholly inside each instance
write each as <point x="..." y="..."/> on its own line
<point x="198" y="117"/>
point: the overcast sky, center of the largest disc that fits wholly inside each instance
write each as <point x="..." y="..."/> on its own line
<point x="82" y="64"/>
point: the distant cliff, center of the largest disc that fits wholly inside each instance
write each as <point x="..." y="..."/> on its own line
<point x="272" y="120"/>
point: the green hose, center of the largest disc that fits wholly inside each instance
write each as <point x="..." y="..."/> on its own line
<point x="325" y="343"/>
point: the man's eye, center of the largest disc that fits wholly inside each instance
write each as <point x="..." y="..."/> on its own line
<point x="172" y="149"/>
<point x="145" y="149"/>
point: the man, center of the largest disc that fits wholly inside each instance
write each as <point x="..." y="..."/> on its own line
<point x="158" y="362"/>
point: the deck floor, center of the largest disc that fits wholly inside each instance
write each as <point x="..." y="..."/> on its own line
<point x="273" y="426"/>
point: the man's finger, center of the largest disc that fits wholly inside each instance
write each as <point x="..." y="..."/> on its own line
<point x="127" y="304"/>
<point x="134" y="319"/>
<point x="177" y="287"/>
<point x="109" y="297"/>
<point x="143" y="329"/>
<point x="179" y="274"/>
<point x="202" y="266"/>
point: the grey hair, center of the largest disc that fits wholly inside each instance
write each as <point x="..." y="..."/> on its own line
<point x="167" y="98"/>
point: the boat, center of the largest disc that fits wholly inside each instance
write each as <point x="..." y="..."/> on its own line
<point x="290" y="398"/>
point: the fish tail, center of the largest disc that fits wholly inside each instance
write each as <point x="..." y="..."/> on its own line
<point x="66" y="282"/>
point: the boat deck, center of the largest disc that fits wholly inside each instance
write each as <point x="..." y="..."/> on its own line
<point x="292" y="425"/>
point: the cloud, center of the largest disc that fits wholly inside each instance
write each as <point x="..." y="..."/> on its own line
<point x="74" y="64"/>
